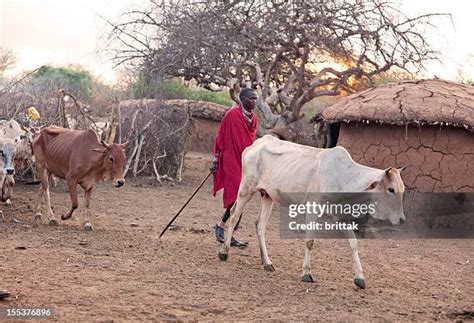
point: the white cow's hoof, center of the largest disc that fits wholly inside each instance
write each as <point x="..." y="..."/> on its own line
<point x="269" y="267"/>
<point x="308" y="278"/>
<point x="88" y="227"/>
<point x="8" y="202"/>
<point x="53" y="222"/>
<point x="223" y="256"/>
<point x="359" y="282"/>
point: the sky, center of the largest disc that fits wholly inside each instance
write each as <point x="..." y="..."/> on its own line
<point x="58" y="32"/>
<point x="62" y="32"/>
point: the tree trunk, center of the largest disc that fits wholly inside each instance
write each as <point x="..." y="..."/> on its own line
<point x="284" y="126"/>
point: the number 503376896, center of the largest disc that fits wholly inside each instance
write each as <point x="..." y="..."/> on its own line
<point x="26" y="312"/>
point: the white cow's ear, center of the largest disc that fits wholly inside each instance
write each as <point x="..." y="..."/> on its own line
<point x="372" y="186"/>
<point x="100" y="150"/>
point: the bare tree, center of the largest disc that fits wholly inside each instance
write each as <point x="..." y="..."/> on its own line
<point x="7" y="59"/>
<point x="293" y="51"/>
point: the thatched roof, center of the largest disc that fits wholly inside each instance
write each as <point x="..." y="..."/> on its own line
<point x="418" y="102"/>
<point x="199" y="109"/>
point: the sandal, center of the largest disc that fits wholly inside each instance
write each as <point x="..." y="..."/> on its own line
<point x="238" y="243"/>
<point x="4" y="294"/>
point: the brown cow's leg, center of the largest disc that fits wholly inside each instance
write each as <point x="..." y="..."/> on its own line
<point x="42" y="173"/>
<point x="52" y="218"/>
<point x="87" y="196"/>
<point x="72" y="186"/>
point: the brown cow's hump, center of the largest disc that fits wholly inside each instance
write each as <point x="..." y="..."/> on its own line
<point x="54" y="130"/>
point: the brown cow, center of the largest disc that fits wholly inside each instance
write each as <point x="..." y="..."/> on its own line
<point x="79" y="158"/>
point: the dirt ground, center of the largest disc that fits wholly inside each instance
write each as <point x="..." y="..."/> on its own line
<point x="122" y="271"/>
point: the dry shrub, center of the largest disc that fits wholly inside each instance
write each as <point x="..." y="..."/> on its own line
<point x="157" y="134"/>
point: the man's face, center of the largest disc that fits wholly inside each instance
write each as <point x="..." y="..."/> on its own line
<point x="250" y="101"/>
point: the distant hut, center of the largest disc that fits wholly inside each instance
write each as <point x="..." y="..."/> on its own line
<point x="206" y="119"/>
<point x="427" y="125"/>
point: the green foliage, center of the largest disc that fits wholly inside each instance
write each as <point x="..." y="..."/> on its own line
<point x="143" y="87"/>
<point x="179" y="90"/>
<point x="73" y="79"/>
<point x="176" y="89"/>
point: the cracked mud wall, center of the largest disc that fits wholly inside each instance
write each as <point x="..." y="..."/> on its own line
<point x="439" y="159"/>
<point x="202" y="136"/>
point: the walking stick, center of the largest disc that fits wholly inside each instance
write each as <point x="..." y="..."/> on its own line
<point x="182" y="208"/>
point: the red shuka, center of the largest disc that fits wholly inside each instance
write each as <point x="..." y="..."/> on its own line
<point x="233" y="136"/>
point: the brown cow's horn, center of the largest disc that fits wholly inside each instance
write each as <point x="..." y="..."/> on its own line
<point x="104" y="144"/>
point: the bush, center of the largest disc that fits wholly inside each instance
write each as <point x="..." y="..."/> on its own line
<point x="176" y="89"/>
<point x="73" y="79"/>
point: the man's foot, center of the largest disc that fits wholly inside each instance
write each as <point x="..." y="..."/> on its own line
<point x="4" y="294"/>
<point x="219" y="233"/>
<point x="238" y="243"/>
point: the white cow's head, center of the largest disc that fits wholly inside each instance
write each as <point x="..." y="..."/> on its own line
<point x="7" y="154"/>
<point x="390" y="200"/>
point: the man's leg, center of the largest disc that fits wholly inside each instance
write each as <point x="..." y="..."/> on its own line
<point x="220" y="229"/>
<point x="220" y="226"/>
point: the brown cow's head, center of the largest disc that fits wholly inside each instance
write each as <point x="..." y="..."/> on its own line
<point x="114" y="162"/>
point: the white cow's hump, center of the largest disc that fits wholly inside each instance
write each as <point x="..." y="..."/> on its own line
<point x="337" y="155"/>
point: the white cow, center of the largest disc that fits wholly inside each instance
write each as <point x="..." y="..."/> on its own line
<point x="272" y="167"/>
<point x="7" y="154"/>
<point x="12" y="133"/>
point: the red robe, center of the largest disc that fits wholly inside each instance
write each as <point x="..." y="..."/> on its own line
<point x="233" y="136"/>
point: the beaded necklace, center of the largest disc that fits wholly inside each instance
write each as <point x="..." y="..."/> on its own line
<point x="248" y="115"/>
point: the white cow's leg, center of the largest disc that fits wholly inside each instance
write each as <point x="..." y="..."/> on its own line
<point x="306" y="262"/>
<point x="359" y="275"/>
<point x="9" y="189"/>
<point x="242" y="199"/>
<point x="261" y="224"/>
<point x="2" y="182"/>
<point x="87" y="224"/>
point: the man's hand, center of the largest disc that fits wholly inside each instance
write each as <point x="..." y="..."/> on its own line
<point x="214" y="164"/>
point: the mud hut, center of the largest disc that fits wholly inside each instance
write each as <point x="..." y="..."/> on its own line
<point x="427" y="125"/>
<point x="206" y="117"/>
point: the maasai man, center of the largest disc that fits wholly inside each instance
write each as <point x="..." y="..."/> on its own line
<point x="236" y="132"/>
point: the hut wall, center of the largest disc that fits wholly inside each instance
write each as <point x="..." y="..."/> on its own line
<point x="439" y="159"/>
<point x="202" y="135"/>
